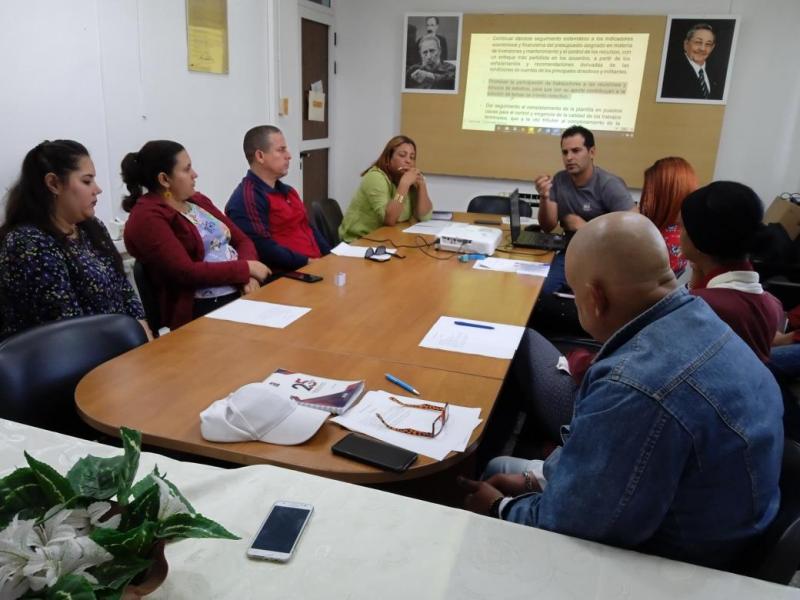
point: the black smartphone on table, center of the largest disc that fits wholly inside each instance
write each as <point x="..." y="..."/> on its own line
<point x="374" y="452"/>
<point x="306" y="277"/>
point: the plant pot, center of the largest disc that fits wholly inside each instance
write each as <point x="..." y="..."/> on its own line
<point x="147" y="582"/>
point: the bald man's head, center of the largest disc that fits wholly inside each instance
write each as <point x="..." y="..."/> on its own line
<point x="618" y="267"/>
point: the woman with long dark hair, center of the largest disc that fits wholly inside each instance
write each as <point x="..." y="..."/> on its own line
<point x="392" y="190"/>
<point x="56" y="258"/>
<point x="198" y="258"/>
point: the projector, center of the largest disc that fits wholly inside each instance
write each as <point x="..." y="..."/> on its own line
<point x="463" y="237"/>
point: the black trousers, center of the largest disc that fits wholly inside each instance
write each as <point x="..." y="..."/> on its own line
<point x="204" y="306"/>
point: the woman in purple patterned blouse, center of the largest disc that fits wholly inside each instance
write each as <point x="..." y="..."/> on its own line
<point x="56" y="258"/>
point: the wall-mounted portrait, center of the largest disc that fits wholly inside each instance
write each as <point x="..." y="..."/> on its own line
<point x="432" y="52"/>
<point x="697" y="59"/>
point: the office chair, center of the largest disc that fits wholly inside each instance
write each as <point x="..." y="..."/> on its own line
<point x="497" y="205"/>
<point x="776" y="555"/>
<point x="40" y="368"/>
<point x="327" y="216"/>
<point x="148" y="296"/>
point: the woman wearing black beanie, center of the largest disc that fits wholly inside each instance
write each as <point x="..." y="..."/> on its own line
<point x="721" y="226"/>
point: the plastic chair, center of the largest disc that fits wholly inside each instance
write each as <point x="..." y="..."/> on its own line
<point x="148" y="296"/>
<point x="327" y="216"/>
<point x="776" y="555"/>
<point x="41" y="367"/>
<point x="497" y="205"/>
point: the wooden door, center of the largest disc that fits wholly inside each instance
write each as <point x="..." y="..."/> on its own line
<point x="315" y="62"/>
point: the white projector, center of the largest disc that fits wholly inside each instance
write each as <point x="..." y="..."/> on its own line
<point x="463" y="237"/>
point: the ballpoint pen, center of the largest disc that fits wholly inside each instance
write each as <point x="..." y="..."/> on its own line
<point x="476" y="325"/>
<point x="401" y="383"/>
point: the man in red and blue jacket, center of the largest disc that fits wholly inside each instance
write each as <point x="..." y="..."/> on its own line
<point x="270" y="212"/>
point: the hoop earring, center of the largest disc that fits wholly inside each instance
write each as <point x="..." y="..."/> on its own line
<point x="167" y="195"/>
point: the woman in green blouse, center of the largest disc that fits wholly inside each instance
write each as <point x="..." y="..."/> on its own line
<point x="391" y="191"/>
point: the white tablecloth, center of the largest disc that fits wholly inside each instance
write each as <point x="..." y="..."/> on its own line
<point x="363" y="543"/>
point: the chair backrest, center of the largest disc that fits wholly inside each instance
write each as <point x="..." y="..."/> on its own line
<point x="148" y="296"/>
<point x="327" y="216"/>
<point x="496" y="205"/>
<point x="776" y="556"/>
<point x="40" y="367"/>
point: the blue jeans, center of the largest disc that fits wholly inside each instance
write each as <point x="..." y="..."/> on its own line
<point x="785" y="361"/>
<point x="556" y="279"/>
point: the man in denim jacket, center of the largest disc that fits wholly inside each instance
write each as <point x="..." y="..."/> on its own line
<point x="675" y="444"/>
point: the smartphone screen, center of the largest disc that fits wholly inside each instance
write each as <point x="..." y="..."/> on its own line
<point x="279" y="533"/>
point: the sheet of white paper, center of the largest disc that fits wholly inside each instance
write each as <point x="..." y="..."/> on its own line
<point x="345" y="249"/>
<point x="317" y="86"/>
<point x="500" y="341"/>
<point x="253" y="312"/>
<point x="508" y="265"/>
<point x="455" y="435"/>
<point x="316" y="106"/>
<point x="427" y="227"/>
<point x="523" y="221"/>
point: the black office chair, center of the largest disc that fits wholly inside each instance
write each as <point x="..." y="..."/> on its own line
<point x="497" y="205"/>
<point x="776" y="556"/>
<point x="148" y="296"/>
<point x="327" y="216"/>
<point x="40" y="368"/>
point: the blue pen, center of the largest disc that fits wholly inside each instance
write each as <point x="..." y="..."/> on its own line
<point x="478" y="325"/>
<point x="401" y="383"/>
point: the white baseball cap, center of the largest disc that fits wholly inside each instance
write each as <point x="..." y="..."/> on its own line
<point x="256" y="412"/>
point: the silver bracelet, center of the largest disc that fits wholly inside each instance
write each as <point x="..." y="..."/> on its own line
<point x="528" y="481"/>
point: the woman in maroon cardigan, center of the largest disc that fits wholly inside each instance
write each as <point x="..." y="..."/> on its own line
<point x="196" y="256"/>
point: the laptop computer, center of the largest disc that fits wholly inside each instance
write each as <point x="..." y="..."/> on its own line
<point x="531" y="239"/>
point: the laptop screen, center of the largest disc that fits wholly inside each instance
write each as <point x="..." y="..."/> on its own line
<point x="513" y="218"/>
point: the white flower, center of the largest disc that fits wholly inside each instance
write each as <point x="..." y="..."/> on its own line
<point x="168" y="503"/>
<point x="98" y="510"/>
<point x="15" y="552"/>
<point x="61" y="555"/>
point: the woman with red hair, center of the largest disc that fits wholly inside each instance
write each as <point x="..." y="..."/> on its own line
<point x="666" y="183"/>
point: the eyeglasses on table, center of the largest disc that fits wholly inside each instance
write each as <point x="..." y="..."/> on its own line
<point x="436" y="426"/>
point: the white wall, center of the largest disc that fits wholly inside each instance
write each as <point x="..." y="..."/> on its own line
<point x="51" y="83"/>
<point x="112" y="74"/>
<point x="761" y="131"/>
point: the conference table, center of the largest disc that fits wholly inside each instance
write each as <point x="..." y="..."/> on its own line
<point x="363" y="543"/>
<point x="370" y="326"/>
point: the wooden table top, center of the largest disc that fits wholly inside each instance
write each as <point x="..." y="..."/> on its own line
<point x="368" y="327"/>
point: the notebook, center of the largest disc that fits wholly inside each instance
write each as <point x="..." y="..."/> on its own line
<point x="530" y="239"/>
<point x="332" y="395"/>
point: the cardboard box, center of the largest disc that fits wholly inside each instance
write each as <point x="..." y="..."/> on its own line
<point x="785" y="212"/>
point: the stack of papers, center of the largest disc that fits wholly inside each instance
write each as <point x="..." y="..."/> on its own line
<point x="454" y="437"/>
<point x="471" y="336"/>
<point x="254" y="312"/>
<point x="522" y="267"/>
<point x="344" y="249"/>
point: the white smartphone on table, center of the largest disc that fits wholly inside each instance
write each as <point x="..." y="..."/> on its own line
<point x="279" y="533"/>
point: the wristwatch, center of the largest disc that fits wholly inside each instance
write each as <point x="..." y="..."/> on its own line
<point x="494" y="509"/>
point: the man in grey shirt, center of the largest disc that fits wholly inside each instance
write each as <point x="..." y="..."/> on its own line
<point x="576" y="195"/>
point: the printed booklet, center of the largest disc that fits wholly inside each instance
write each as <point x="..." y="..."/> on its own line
<point x="333" y="395"/>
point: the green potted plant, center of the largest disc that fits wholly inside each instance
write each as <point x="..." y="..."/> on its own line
<point x="92" y="533"/>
